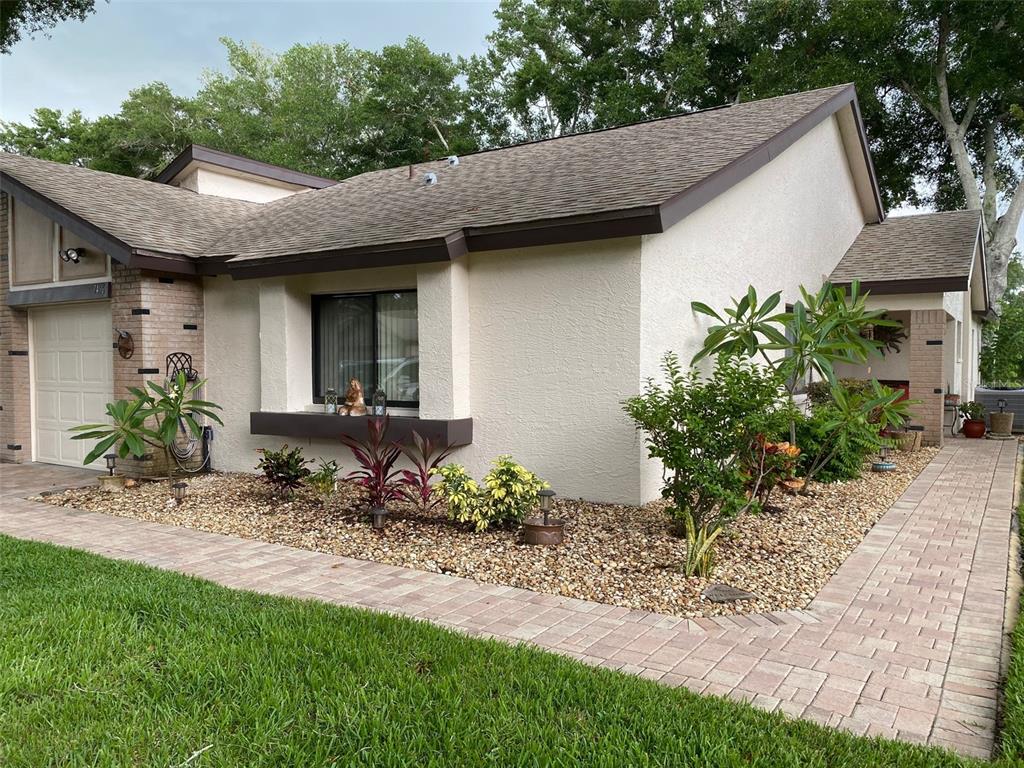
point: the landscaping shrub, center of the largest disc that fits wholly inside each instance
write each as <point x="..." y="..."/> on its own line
<point x="839" y="436"/>
<point x="376" y="474"/>
<point x="852" y="446"/>
<point x="426" y="456"/>
<point x="325" y="478"/>
<point x="508" y="492"/>
<point x="820" y="392"/>
<point x="708" y="435"/>
<point x="284" y="469"/>
<point x="153" y="417"/>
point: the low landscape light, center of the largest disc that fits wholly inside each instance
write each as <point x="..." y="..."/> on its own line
<point x="180" y="489"/>
<point x="1001" y="402"/>
<point x="547" y="500"/>
<point x="111" y="459"/>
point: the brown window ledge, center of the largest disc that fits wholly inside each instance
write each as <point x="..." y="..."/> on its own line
<point x="324" y="426"/>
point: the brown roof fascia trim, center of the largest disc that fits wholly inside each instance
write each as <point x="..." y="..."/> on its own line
<point x="200" y="154"/>
<point x="681" y="205"/>
<point x="418" y="252"/>
<point x="862" y="135"/>
<point x="601" y="226"/>
<point x="104" y="241"/>
<point x="912" y="285"/>
<point x="159" y="261"/>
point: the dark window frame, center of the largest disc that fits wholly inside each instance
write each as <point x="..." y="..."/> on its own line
<point x="368" y="389"/>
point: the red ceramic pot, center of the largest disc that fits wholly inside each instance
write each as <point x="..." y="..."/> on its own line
<point x="974" y="428"/>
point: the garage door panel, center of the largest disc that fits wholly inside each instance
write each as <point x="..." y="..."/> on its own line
<point x="48" y="446"/>
<point x="46" y="367"/>
<point x="72" y="377"/>
<point x="94" y="408"/>
<point x="96" y="367"/>
<point x="69" y="367"/>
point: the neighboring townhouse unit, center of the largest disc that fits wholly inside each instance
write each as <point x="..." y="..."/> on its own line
<point x="505" y="301"/>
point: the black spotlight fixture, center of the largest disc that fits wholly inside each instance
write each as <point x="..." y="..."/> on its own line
<point x="73" y="255"/>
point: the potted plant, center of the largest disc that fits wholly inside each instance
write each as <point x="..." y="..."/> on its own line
<point x="973" y="414"/>
<point x="1001" y="420"/>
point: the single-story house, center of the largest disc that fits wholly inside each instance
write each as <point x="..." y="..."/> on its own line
<point x="505" y="301"/>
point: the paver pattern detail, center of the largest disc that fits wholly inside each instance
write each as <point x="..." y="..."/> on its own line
<point x="904" y="641"/>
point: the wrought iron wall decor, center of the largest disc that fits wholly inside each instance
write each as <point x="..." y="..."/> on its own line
<point x="125" y="344"/>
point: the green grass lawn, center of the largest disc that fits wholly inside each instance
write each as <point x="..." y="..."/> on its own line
<point x="1012" y="735"/>
<point x="105" y="663"/>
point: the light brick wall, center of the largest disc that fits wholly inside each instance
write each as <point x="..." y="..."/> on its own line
<point x="164" y="314"/>
<point x="15" y="424"/>
<point x="927" y="376"/>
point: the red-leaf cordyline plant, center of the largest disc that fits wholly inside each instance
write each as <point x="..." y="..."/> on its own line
<point x="376" y="474"/>
<point x="426" y="455"/>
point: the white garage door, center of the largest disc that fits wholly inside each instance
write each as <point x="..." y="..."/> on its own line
<point x="73" y="377"/>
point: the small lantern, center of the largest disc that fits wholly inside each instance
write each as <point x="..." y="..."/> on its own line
<point x="331" y="400"/>
<point x="1001" y="402"/>
<point x="111" y="459"/>
<point x="547" y="501"/>
<point x="378" y="515"/>
<point x="380" y="403"/>
<point x="180" y="489"/>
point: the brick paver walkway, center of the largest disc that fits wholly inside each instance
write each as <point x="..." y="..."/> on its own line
<point x="903" y="642"/>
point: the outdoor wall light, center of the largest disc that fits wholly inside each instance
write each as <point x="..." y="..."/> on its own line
<point x="180" y="489"/>
<point x="111" y="459"/>
<point x="73" y="255"/>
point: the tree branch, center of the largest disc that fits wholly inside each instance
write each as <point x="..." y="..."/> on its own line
<point x="988" y="175"/>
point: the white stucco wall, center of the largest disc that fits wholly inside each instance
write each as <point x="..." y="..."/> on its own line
<point x="213" y="181"/>
<point x="554" y="338"/>
<point x="541" y="345"/>
<point x="787" y="224"/>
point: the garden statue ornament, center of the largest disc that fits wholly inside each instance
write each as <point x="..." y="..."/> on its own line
<point x="354" y="404"/>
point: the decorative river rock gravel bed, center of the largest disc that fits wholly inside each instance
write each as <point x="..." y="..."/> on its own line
<point x="614" y="554"/>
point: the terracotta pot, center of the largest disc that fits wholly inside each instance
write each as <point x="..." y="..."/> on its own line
<point x="974" y="428"/>
<point x="535" y="531"/>
<point x="1002" y="423"/>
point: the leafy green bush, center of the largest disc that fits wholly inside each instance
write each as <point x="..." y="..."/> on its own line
<point x="284" y="470"/>
<point x="154" y="417"/>
<point x="839" y="456"/>
<point x="839" y="436"/>
<point x="708" y="436"/>
<point x="325" y="478"/>
<point x="504" y="497"/>
<point x="510" y="491"/>
<point x="820" y="392"/>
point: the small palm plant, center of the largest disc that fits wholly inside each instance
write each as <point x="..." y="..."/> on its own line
<point x="153" y="417"/>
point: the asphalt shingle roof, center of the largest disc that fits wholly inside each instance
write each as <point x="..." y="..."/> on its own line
<point x="637" y="166"/>
<point x="919" y="247"/>
<point x="142" y="214"/>
<point x="628" y="167"/>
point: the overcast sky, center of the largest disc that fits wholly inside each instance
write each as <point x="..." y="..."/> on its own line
<point x="92" y="65"/>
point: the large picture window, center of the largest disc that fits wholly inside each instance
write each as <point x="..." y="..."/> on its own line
<point x="373" y="337"/>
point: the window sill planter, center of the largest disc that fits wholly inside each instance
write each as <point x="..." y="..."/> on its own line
<point x="974" y="428"/>
<point x="326" y="426"/>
